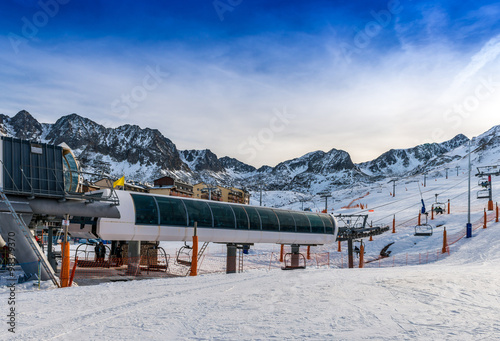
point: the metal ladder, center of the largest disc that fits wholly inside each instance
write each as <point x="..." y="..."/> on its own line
<point x="240" y="260"/>
<point x="200" y="253"/>
<point x="27" y="234"/>
<point x="202" y="249"/>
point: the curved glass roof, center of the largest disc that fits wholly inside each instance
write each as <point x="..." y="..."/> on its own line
<point x="174" y="211"/>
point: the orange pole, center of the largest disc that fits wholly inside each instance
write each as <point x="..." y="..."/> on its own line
<point x="73" y="272"/>
<point x="371" y="238"/>
<point x="445" y="242"/>
<point x="194" y="255"/>
<point x="394" y="224"/>
<point x="448" y="206"/>
<point x="64" y="275"/>
<point x="432" y="212"/>
<point x="361" y="255"/>
<point x="484" y="226"/>
<point x="308" y="251"/>
<point x="281" y="252"/>
<point x="419" y="214"/>
<point x="339" y="248"/>
<point x="496" y="220"/>
<point x="490" y="205"/>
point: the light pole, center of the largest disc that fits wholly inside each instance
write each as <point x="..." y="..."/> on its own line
<point x="326" y="196"/>
<point x="469" y="225"/>
<point x="260" y="200"/>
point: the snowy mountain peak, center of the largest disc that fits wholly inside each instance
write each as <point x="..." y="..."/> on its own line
<point x="144" y="154"/>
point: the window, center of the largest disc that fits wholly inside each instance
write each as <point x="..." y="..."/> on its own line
<point x="70" y="173"/>
<point x="301" y="222"/>
<point x="146" y="211"/>
<point x="269" y="219"/>
<point x="200" y="212"/>
<point x="327" y="220"/>
<point x="223" y="215"/>
<point x="253" y="218"/>
<point x="316" y="223"/>
<point x="172" y="211"/>
<point x="287" y="224"/>
<point x="241" y="217"/>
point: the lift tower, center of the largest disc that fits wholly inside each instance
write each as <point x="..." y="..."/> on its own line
<point x="485" y="174"/>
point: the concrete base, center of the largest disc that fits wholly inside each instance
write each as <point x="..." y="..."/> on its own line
<point x="231" y="259"/>
<point x="134" y="258"/>
<point x="295" y="256"/>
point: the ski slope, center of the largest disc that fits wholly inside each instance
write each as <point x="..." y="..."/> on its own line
<point x="454" y="298"/>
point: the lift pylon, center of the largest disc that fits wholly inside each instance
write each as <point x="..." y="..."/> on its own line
<point x="485" y="173"/>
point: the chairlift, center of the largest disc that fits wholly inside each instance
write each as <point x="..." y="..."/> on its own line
<point x="423" y="230"/>
<point x="184" y="255"/>
<point x="292" y="263"/>
<point x="357" y="250"/>
<point x="483" y="183"/>
<point x="483" y="194"/>
<point x="439" y="208"/>
<point x="160" y="264"/>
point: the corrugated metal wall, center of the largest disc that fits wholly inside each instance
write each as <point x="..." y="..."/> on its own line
<point x="32" y="168"/>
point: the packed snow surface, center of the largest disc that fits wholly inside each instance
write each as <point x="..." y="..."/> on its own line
<point x="454" y="298"/>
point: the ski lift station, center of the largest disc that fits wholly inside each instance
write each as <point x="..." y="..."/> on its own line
<point x="42" y="184"/>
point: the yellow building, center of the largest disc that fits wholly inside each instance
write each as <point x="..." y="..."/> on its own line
<point x="201" y="191"/>
<point x="235" y="195"/>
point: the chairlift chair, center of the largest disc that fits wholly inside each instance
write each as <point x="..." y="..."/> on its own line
<point x="439" y="208"/>
<point x="288" y="261"/>
<point x="423" y="230"/>
<point x="483" y="194"/>
<point x="184" y="255"/>
<point x="161" y="265"/>
<point x="483" y="183"/>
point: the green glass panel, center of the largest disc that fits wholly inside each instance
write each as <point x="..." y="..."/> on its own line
<point x="146" y="212"/>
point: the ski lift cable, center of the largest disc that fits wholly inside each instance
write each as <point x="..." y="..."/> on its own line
<point x="404" y="209"/>
<point x="397" y="201"/>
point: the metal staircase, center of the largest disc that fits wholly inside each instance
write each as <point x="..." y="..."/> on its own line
<point x="200" y="253"/>
<point x="31" y="241"/>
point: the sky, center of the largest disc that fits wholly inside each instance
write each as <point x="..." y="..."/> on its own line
<point x="261" y="81"/>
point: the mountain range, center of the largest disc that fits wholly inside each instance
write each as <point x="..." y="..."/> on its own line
<point x="144" y="154"/>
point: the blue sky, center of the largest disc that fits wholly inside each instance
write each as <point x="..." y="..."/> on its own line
<point x="261" y="81"/>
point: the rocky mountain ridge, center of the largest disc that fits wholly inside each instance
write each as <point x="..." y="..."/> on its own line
<point x="144" y="154"/>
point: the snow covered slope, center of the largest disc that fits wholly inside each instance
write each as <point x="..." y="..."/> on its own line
<point x="453" y="298"/>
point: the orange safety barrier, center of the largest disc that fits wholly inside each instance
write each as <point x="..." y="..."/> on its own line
<point x="354" y="200"/>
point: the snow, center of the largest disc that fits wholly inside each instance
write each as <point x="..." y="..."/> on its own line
<point x="456" y="297"/>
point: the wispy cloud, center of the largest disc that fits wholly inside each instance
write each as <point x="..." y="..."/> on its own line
<point x="226" y="79"/>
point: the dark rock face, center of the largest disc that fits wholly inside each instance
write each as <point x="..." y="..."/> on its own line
<point x="201" y="160"/>
<point x="236" y="165"/>
<point x="25" y="126"/>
